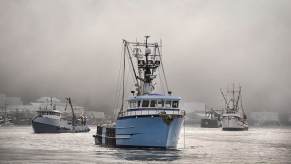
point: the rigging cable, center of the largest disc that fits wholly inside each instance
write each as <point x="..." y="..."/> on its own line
<point x="163" y="69"/>
<point x="117" y="87"/>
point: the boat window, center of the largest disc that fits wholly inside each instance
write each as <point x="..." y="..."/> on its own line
<point x="175" y="104"/>
<point x="138" y="103"/>
<point x="168" y="104"/>
<point x="132" y="104"/>
<point x="160" y="103"/>
<point x="153" y="103"/>
<point x="145" y="103"/>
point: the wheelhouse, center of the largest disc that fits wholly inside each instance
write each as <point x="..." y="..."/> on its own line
<point x="153" y="101"/>
<point x="48" y="113"/>
<point x="152" y="104"/>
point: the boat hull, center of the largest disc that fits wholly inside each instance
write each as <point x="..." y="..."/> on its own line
<point x="148" y="132"/>
<point x="235" y="129"/>
<point x="231" y="123"/>
<point x="50" y="125"/>
<point x="208" y="123"/>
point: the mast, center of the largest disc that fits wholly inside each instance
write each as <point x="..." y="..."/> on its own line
<point x="73" y="113"/>
<point x="123" y="76"/>
<point x="234" y="97"/>
<point x="147" y="64"/>
<point x="233" y="106"/>
<point x="238" y="98"/>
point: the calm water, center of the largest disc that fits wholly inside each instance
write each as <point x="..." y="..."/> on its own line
<point x="258" y="145"/>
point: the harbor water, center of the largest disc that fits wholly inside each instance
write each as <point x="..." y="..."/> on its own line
<point x="202" y="145"/>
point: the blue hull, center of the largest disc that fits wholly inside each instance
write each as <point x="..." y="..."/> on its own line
<point x="47" y="128"/>
<point x="148" y="132"/>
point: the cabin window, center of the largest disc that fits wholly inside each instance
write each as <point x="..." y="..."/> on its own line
<point x="160" y="103"/>
<point x="175" y="104"/>
<point x="153" y="103"/>
<point x="168" y="104"/>
<point x="145" y="103"/>
<point x="138" y="103"/>
<point x="132" y="104"/>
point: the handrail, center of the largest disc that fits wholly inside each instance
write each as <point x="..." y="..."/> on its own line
<point x="151" y="112"/>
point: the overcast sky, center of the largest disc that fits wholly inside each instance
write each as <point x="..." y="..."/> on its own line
<point x="73" y="48"/>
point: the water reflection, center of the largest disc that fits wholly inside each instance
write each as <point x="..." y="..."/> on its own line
<point x="148" y="154"/>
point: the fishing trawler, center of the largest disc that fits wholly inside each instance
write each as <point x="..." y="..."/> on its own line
<point x="212" y="118"/>
<point x="5" y="120"/>
<point x="148" y="119"/>
<point x="234" y="117"/>
<point x="49" y="120"/>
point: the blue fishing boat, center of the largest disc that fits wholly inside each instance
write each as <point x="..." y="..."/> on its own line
<point x="146" y="119"/>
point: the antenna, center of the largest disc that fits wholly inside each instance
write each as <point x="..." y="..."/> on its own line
<point x="147" y="36"/>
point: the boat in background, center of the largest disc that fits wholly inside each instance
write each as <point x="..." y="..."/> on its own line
<point x="234" y="118"/>
<point x="212" y="118"/>
<point x="5" y="120"/>
<point x="147" y="119"/>
<point x="49" y="120"/>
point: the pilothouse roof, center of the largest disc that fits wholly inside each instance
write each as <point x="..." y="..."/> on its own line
<point x="153" y="97"/>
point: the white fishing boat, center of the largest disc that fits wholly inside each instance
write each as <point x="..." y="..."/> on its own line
<point x="234" y="118"/>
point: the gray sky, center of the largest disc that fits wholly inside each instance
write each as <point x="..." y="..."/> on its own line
<point x="73" y="48"/>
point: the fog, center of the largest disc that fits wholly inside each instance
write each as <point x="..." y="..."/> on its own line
<point x="73" y="48"/>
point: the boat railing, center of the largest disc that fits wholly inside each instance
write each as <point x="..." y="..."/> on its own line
<point x="151" y="112"/>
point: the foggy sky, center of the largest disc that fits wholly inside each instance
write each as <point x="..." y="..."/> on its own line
<point x="73" y="48"/>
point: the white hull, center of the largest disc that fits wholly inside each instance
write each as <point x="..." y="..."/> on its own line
<point x="232" y="122"/>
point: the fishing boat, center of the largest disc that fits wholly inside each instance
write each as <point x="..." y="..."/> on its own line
<point x="5" y="120"/>
<point x="234" y="117"/>
<point x="49" y="120"/>
<point x="212" y="118"/>
<point x="146" y="119"/>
